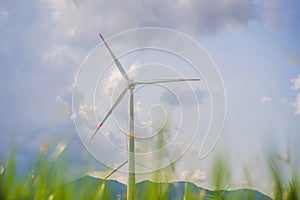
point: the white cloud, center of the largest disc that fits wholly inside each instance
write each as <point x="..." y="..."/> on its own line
<point x="265" y="99"/>
<point x="118" y="176"/>
<point x="185" y="175"/>
<point x="296" y="83"/>
<point x="60" y="57"/>
<point x="4" y="14"/>
<point x="192" y="16"/>
<point x="73" y="116"/>
<point x="115" y="76"/>
<point x="296" y="86"/>
<point x="87" y="111"/>
<point x="122" y="179"/>
<point x="198" y="176"/>
<point x="296" y="104"/>
<point x="132" y="69"/>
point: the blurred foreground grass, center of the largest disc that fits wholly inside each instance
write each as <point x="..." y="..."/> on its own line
<point x="47" y="180"/>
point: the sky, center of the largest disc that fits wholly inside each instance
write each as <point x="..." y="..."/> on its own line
<point x="254" y="45"/>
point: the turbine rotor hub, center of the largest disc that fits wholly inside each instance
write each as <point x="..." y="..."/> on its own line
<point x="131" y="85"/>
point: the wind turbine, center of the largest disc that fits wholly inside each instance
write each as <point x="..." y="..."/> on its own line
<point x="130" y="85"/>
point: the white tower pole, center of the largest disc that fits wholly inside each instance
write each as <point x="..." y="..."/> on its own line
<point x="131" y="187"/>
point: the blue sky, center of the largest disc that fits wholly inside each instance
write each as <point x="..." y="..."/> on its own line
<point x="253" y="43"/>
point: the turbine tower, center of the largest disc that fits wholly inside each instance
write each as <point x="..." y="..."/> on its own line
<point x="130" y="85"/>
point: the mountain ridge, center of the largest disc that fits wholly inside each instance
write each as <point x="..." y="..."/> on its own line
<point x="152" y="190"/>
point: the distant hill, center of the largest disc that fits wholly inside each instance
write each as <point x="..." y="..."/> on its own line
<point x="87" y="187"/>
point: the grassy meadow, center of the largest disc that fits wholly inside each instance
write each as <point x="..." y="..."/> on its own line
<point x="47" y="180"/>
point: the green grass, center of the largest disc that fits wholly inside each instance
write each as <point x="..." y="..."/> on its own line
<point x="44" y="181"/>
<point x="282" y="190"/>
<point x="47" y="180"/>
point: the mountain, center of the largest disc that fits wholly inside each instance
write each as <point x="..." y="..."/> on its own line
<point x="89" y="187"/>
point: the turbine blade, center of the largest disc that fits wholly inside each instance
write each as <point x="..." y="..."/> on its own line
<point x="110" y="111"/>
<point x="114" y="170"/>
<point x="115" y="59"/>
<point x="165" y="81"/>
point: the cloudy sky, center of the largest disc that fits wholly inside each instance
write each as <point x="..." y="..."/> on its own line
<point x="253" y="43"/>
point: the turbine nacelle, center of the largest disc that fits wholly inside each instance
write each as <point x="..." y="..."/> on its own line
<point x="130" y="85"/>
